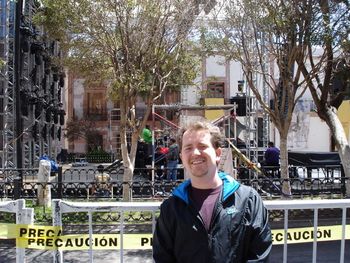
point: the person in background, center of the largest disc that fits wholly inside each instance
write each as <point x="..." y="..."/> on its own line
<point x="160" y="161"/>
<point x="272" y="155"/>
<point x="147" y="134"/>
<point x="101" y="182"/>
<point x="172" y="159"/>
<point x="147" y="138"/>
<point x="210" y="217"/>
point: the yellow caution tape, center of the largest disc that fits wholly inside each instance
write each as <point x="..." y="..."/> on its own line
<point x="51" y="238"/>
<point x="307" y="234"/>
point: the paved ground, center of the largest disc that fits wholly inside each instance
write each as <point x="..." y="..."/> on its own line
<point x="8" y="255"/>
<point x="328" y="252"/>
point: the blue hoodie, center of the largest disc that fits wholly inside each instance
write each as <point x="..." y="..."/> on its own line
<point x="230" y="186"/>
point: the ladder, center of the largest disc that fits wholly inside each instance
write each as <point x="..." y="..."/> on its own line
<point x="114" y="138"/>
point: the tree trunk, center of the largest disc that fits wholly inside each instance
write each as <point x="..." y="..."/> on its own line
<point x="129" y="163"/>
<point x="341" y="143"/>
<point x="128" y="168"/>
<point x="286" y="189"/>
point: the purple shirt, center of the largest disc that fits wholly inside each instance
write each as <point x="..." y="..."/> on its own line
<point x="204" y="201"/>
<point x="272" y="156"/>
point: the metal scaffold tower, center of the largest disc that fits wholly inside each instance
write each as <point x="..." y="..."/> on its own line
<point x="31" y="88"/>
<point x="256" y="136"/>
<point x="251" y="124"/>
<point x="7" y="85"/>
<point x="266" y="98"/>
<point x="257" y="121"/>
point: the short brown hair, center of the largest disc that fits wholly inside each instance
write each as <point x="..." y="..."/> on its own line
<point x="217" y="139"/>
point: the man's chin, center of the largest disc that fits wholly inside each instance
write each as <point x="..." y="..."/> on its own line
<point x="197" y="174"/>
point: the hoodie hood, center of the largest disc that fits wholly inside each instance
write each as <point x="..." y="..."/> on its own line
<point x="229" y="186"/>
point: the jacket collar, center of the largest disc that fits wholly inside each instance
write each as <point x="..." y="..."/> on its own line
<point x="230" y="186"/>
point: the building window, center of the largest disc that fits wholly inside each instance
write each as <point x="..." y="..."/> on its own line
<point x="215" y="90"/>
<point x="96" y="104"/>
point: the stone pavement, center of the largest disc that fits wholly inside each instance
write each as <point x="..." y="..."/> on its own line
<point x="8" y="255"/>
<point x="327" y="252"/>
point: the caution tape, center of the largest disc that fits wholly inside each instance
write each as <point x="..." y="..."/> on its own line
<point x="51" y="238"/>
<point x="307" y="234"/>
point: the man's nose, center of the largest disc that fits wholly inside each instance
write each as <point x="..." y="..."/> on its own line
<point x="196" y="151"/>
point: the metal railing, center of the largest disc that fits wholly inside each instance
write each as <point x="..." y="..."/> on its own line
<point x="23" y="216"/>
<point x="315" y="205"/>
<point x="62" y="207"/>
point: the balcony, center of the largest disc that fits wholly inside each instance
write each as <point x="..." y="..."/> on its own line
<point x="100" y="115"/>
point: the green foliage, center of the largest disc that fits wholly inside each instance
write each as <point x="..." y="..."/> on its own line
<point x="135" y="44"/>
<point x="138" y="48"/>
<point x="135" y="47"/>
<point x="83" y="129"/>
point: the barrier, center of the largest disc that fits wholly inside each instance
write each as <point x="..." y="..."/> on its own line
<point x="23" y="216"/>
<point x="315" y="205"/>
<point x="60" y="207"/>
<point x="50" y="237"/>
<point x="285" y="205"/>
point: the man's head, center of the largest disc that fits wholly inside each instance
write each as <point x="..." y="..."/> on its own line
<point x="100" y="168"/>
<point x="172" y="140"/>
<point x="147" y="126"/>
<point x="200" y="149"/>
<point x="270" y="144"/>
<point x="217" y="138"/>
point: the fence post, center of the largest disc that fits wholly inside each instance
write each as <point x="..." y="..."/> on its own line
<point x="17" y="183"/>
<point x="23" y="216"/>
<point x="57" y="221"/>
<point x="59" y="183"/>
<point x="44" y="189"/>
<point x="343" y="181"/>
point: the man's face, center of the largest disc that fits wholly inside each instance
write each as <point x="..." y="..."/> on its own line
<point x="198" y="155"/>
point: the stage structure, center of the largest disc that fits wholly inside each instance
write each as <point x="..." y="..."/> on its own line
<point x="227" y="122"/>
<point x="32" y="112"/>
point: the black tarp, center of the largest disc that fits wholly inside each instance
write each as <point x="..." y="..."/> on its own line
<point x="313" y="158"/>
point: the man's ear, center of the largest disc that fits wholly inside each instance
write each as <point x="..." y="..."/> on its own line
<point x="218" y="152"/>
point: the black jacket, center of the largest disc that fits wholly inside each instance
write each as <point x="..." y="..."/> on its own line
<point x="239" y="230"/>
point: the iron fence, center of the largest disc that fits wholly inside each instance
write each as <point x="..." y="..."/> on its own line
<point x="77" y="183"/>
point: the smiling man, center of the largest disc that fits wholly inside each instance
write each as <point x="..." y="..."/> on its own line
<point x="210" y="217"/>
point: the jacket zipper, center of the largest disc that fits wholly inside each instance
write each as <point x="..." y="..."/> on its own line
<point x="218" y="204"/>
<point x="216" y="211"/>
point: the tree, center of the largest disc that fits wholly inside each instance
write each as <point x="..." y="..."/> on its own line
<point x="326" y="69"/>
<point x="262" y="36"/>
<point x="83" y="129"/>
<point x="139" y="47"/>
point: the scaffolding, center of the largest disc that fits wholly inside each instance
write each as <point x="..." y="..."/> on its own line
<point x="225" y="120"/>
<point x="31" y="94"/>
<point x="257" y="121"/>
<point x="8" y="89"/>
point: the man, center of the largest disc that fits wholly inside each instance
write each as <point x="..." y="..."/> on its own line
<point x="147" y="134"/>
<point x="210" y="217"/>
<point x="147" y="138"/>
<point x="101" y="185"/>
<point x="172" y="159"/>
<point x="272" y="155"/>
